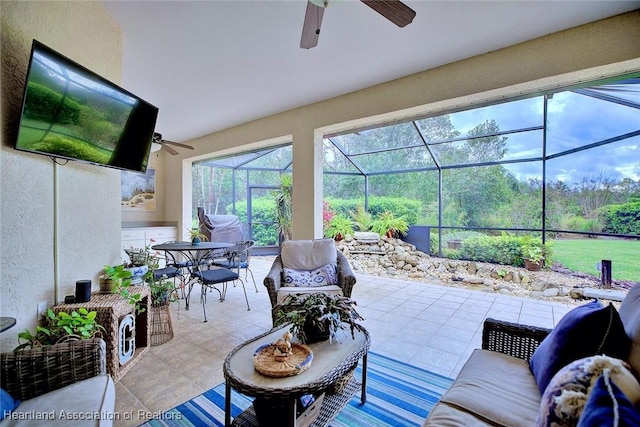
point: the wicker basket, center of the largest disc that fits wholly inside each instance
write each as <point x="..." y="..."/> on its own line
<point x="161" y="326"/>
<point x="297" y="362"/>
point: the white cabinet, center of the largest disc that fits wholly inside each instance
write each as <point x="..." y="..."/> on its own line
<point x="140" y="237"/>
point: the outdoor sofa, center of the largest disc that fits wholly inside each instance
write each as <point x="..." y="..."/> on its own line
<point x="497" y="386"/>
<point x="60" y="385"/>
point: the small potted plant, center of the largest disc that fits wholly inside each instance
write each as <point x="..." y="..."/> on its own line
<point x="318" y="316"/>
<point x="138" y="265"/>
<point x="386" y="224"/>
<point x="533" y="257"/>
<point x="117" y="279"/>
<point x="196" y="236"/>
<point x="339" y="227"/>
<point x="161" y="289"/>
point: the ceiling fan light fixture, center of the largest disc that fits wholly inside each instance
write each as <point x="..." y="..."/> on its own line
<point x="155" y="147"/>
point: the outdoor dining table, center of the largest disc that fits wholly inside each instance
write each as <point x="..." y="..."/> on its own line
<point x="193" y="256"/>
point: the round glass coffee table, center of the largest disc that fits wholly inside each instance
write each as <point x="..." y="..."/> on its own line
<point x="333" y="362"/>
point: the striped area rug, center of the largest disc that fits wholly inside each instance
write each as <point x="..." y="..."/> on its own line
<point x="398" y="394"/>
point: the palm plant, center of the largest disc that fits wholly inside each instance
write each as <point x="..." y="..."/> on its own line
<point x="283" y="198"/>
<point x="388" y="225"/>
<point x="339" y="227"/>
<point x="361" y="218"/>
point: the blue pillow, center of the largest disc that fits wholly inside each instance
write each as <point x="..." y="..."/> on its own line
<point x="587" y="330"/>
<point x="605" y="402"/>
<point x="7" y="403"/>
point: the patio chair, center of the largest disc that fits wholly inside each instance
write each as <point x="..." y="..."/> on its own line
<point x="298" y="267"/>
<point x="238" y="258"/>
<point x="175" y="268"/>
<point x="209" y="278"/>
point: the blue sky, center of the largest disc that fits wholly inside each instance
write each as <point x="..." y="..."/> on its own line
<point x="573" y="120"/>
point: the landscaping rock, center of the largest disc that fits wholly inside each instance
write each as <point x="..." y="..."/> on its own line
<point x="368" y="253"/>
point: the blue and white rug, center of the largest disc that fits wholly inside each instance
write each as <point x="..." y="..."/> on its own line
<point x="398" y="394"/>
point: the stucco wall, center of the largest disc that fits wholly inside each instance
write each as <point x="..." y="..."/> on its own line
<point x="604" y="48"/>
<point x="32" y="189"/>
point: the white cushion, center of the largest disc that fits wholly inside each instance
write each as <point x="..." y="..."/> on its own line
<point x="90" y="399"/>
<point x="284" y="292"/>
<point x="308" y="254"/>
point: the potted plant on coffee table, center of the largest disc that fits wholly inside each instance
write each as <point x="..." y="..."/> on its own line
<point x="318" y="316"/>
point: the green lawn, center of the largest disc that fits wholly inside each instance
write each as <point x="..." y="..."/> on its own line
<point x="583" y="254"/>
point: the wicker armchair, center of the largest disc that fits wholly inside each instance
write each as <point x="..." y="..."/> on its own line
<point x="31" y="373"/>
<point x="273" y="281"/>
<point x="513" y="339"/>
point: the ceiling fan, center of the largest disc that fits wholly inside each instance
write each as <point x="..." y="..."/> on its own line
<point x="394" y="10"/>
<point x="162" y="144"/>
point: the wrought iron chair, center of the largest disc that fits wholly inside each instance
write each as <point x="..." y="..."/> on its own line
<point x="238" y="258"/>
<point x="175" y="268"/>
<point x="209" y="278"/>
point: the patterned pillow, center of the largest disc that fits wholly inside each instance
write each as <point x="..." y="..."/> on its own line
<point x="607" y="405"/>
<point x="565" y="397"/>
<point x="323" y="276"/>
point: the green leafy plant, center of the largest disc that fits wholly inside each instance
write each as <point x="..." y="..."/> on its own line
<point x="195" y="235"/>
<point x="386" y="224"/>
<point x="283" y="197"/>
<point x="534" y="254"/>
<point x="339" y="227"/>
<point x="325" y="312"/>
<point x="162" y="290"/>
<point x="138" y="256"/>
<point x="120" y="279"/>
<point x="54" y="328"/>
<point x="361" y="218"/>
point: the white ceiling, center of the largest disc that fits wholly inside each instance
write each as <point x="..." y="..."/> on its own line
<point x="210" y="65"/>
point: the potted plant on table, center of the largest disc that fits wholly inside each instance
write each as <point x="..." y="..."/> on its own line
<point x="318" y="316"/>
<point x="117" y="279"/>
<point x="196" y="236"/>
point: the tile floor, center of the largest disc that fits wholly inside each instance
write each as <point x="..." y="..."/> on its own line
<point x="431" y="326"/>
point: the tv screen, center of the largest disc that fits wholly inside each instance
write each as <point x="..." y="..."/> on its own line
<point x="73" y="113"/>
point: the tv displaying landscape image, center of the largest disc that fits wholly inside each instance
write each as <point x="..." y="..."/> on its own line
<point x="71" y="112"/>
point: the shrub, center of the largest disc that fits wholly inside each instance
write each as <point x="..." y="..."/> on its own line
<point x="621" y="219"/>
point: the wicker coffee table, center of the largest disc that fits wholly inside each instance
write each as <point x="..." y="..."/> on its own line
<point x="332" y="364"/>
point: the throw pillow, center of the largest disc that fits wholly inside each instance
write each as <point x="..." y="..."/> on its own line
<point x="564" y="399"/>
<point x="323" y="276"/>
<point x="587" y="330"/>
<point x="7" y="403"/>
<point x="608" y="406"/>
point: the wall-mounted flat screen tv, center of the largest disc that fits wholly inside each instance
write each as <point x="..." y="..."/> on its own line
<point x="73" y="113"/>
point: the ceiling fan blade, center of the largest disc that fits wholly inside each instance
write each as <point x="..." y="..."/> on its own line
<point x="169" y="150"/>
<point x="178" y="144"/>
<point x="394" y="10"/>
<point x="311" y="26"/>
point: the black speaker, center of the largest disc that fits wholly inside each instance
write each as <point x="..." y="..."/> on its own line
<point x="83" y="290"/>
